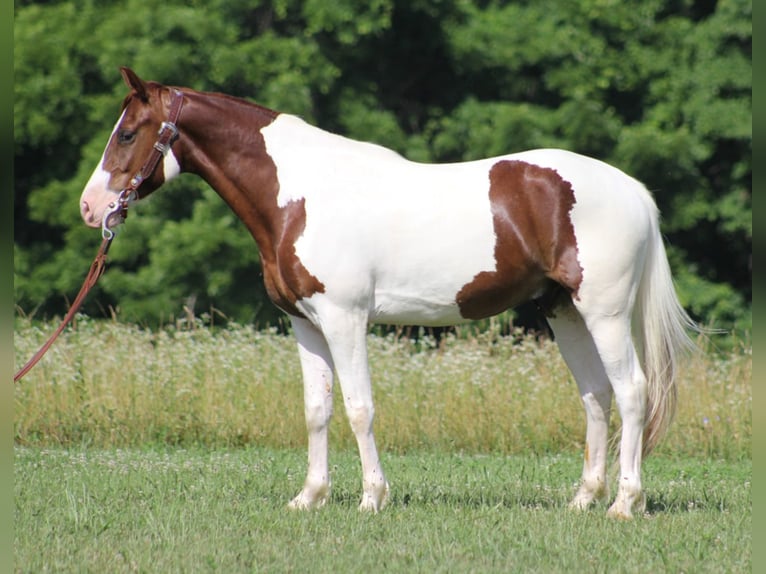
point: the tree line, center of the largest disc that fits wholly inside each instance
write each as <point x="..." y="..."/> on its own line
<point x="659" y="89"/>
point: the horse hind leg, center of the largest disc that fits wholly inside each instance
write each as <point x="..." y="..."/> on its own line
<point x="611" y="335"/>
<point x="581" y="356"/>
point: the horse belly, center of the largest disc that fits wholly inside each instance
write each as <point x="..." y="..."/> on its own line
<point x="396" y="309"/>
<point x="417" y="276"/>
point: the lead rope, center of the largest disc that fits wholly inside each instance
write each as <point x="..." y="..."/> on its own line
<point x="96" y="270"/>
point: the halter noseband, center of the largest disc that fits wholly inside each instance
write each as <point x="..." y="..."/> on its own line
<point x="167" y="134"/>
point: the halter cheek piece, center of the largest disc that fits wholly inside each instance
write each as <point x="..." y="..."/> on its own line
<point x="167" y="134"/>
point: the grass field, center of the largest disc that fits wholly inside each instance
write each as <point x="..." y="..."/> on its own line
<point x="177" y="451"/>
<point x="87" y="510"/>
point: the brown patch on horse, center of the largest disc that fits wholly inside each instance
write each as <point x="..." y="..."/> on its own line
<point x="244" y="175"/>
<point x="286" y="279"/>
<point x="249" y="183"/>
<point x="535" y="248"/>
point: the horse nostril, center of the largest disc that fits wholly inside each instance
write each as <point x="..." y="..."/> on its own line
<point x="84" y="208"/>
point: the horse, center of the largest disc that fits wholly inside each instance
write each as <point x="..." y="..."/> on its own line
<point x="352" y="234"/>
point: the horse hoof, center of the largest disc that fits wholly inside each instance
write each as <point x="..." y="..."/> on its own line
<point x="306" y="501"/>
<point x="619" y="513"/>
<point x="587" y="495"/>
<point x="579" y="505"/>
<point x="375" y="501"/>
<point x="623" y="507"/>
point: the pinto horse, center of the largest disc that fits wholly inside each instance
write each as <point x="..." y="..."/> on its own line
<point x="351" y="233"/>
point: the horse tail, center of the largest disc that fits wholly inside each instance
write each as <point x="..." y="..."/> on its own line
<point x="661" y="326"/>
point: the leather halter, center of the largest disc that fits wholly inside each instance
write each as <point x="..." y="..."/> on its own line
<point x="167" y="134"/>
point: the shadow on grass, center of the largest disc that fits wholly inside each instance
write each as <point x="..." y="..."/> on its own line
<point x="661" y="503"/>
<point x="656" y="503"/>
<point x="451" y="499"/>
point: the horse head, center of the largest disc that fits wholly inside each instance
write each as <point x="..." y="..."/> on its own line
<point x="130" y="167"/>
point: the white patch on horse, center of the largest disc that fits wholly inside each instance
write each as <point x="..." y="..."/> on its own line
<point x="97" y="193"/>
<point x="394" y="236"/>
<point x="170" y="166"/>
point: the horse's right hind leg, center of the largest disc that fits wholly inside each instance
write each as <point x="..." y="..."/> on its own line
<point x="579" y="351"/>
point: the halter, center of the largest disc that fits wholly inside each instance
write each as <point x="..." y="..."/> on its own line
<point x="167" y="134"/>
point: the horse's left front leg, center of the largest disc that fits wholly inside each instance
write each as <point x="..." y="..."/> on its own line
<point x="316" y="364"/>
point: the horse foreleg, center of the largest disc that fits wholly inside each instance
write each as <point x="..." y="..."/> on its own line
<point x="580" y="353"/>
<point x="316" y="364"/>
<point x="346" y="334"/>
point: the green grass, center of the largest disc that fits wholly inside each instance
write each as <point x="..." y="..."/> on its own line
<point x="177" y="510"/>
<point x="177" y="451"/>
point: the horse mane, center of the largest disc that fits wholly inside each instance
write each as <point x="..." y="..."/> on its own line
<point x="263" y="109"/>
<point x="157" y="86"/>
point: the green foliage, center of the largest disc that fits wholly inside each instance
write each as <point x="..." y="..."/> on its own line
<point x="660" y="90"/>
<point x="347" y="20"/>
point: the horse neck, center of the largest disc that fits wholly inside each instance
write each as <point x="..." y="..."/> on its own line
<point x="222" y="143"/>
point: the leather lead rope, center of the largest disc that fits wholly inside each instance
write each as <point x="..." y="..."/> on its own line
<point x="96" y="270"/>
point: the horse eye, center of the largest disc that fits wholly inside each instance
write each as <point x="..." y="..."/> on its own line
<point x="125" y="136"/>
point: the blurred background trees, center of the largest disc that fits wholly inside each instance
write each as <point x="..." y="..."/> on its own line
<point x="660" y="89"/>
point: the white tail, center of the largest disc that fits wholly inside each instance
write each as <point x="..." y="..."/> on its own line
<point x="661" y="328"/>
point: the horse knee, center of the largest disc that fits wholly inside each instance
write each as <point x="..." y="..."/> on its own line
<point x="360" y="418"/>
<point x="318" y="416"/>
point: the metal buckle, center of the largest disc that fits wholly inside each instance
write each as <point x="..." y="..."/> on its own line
<point x="163" y="148"/>
<point x="119" y="208"/>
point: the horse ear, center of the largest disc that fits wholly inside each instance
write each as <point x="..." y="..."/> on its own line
<point x="134" y="82"/>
